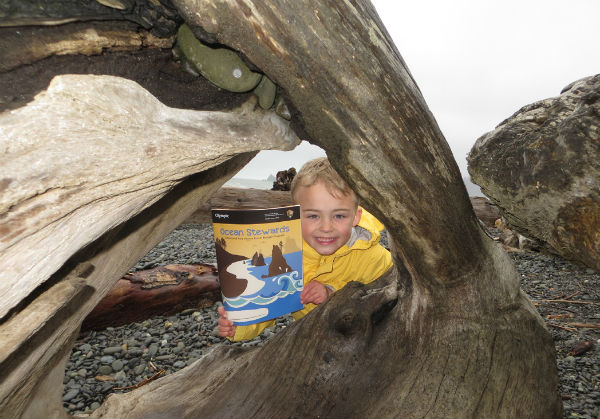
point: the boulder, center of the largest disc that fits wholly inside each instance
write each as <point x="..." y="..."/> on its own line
<point x="541" y="167"/>
<point x="283" y="181"/>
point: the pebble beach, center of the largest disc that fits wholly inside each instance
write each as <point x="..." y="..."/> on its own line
<point x="119" y="359"/>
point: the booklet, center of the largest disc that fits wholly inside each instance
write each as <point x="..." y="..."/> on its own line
<point x="259" y="258"/>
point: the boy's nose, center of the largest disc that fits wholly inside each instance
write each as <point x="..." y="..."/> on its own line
<point x="326" y="225"/>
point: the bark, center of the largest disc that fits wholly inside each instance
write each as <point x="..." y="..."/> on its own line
<point x="164" y="290"/>
<point x="448" y="333"/>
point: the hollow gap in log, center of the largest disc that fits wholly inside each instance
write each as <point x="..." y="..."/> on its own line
<point x="154" y="69"/>
<point x="148" y="220"/>
<point x="153" y="368"/>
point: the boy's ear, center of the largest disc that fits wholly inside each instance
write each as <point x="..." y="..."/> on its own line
<point x="357" y="217"/>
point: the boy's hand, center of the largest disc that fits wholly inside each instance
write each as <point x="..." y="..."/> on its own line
<point x="226" y="327"/>
<point x="314" y="292"/>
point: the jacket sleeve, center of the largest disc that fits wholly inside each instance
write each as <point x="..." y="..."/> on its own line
<point x="377" y="260"/>
<point x="250" y="331"/>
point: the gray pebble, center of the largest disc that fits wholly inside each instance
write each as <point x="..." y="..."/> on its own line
<point x="135" y="351"/>
<point x="112" y="350"/>
<point x="139" y="370"/>
<point x="85" y="348"/>
<point x="117" y="365"/>
<point x="105" y="370"/>
<point x="107" y="359"/>
<point x="152" y="350"/>
<point x="70" y="394"/>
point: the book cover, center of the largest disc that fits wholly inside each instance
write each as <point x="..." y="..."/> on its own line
<point x="259" y="259"/>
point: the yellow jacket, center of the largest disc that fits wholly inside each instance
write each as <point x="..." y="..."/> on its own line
<point x="364" y="261"/>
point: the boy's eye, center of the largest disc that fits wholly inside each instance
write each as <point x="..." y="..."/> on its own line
<point x="311" y="216"/>
<point x="340" y="216"/>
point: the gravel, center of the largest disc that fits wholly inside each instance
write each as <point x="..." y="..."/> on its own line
<point x="117" y="359"/>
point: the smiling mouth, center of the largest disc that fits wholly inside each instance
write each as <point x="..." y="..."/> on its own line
<point x="325" y="240"/>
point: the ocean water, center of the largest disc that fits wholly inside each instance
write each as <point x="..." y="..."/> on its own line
<point x="277" y="296"/>
<point x="249" y="183"/>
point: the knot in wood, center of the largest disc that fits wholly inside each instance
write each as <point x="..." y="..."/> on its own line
<point x="347" y="322"/>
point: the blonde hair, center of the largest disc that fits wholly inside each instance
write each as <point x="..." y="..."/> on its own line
<point x="320" y="170"/>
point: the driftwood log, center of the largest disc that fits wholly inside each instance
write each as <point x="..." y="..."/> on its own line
<point x="229" y="197"/>
<point x="446" y="333"/>
<point x="164" y="290"/>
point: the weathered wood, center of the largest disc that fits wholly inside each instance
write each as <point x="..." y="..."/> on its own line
<point x="99" y="172"/>
<point x="228" y="197"/>
<point x="541" y="168"/>
<point x="448" y="333"/>
<point x="61" y="175"/>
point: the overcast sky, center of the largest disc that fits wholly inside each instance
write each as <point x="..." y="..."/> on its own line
<point x="477" y="62"/>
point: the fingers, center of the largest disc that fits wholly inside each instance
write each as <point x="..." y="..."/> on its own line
<point x="225" y="326"/>
<point x="314" y="292"/>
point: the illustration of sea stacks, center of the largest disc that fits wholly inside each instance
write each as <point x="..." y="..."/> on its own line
<point x="258" y="259"/>
<point x="240" y="282"/>
<point x="278" y="264"/>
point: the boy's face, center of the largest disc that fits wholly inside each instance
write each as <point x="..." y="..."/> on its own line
<point x="327" y="221"/>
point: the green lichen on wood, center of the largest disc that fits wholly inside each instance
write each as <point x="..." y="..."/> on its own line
<point x="221" y="66"/>
<point x="265" y="91"/>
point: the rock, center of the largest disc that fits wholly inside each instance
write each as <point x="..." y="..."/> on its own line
<point x="112" y="350"/>
<point x="139" y="370"/>
<point x="107" y="359"/>
<point x="284" y="179"/>
<point x="71" y="394"/>
<point x="221" y="66"/>
<point x="104" y="370"/>
<point x="541" y="167"/>
<point x="152" y="350"/>
<point x="265" y="91"/>
<point x="117" y="365"/>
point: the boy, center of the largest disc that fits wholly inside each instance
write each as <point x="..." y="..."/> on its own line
<point x="340" y="242"/>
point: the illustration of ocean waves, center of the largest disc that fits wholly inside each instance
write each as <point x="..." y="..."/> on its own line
<point x="277" y="287"/>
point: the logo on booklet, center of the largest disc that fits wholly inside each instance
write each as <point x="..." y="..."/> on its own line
<point x="221" y="215"/>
